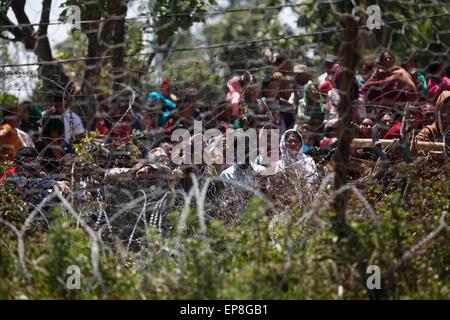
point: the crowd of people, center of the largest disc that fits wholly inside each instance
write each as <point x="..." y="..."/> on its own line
<point x="389" y="101"/>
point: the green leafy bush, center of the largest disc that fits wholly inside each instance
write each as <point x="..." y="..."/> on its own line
<point x="262" y="255"/>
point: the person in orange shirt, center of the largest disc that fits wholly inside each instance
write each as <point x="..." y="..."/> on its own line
<point x="9" y="138"/>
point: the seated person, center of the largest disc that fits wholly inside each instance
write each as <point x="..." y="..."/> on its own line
<point x="293" y="158"/>
<point x="11" y="137"/>
<point x="330" y="135"/>
<point x="384" y="123"/>
<point x="389" y="83"/>
<point x="311" y="107"/>
<point x="438" y="131"/>
<point x="438" y="82"/>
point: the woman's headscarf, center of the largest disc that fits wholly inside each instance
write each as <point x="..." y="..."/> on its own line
<point x="168" y="106"/>
<point x="300" y="161"/>
<point x="312" y="107"/>
<point x="285" y="154"/>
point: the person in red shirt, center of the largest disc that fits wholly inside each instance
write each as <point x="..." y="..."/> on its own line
<point x="416" y="122"/>
<point x="389" y="83"/>
<point x="394" y="131"/>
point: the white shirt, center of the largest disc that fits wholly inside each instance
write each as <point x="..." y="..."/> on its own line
<point x="322" y="77"/>
<point x="305" y="165"/>
<point x="72" y="125"/>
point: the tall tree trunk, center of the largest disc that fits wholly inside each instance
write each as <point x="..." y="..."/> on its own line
<point x="350" y="61"/>
<point x="119" y="72"/>
<point x="92" y="71"/>
<point x="106" y="38"/>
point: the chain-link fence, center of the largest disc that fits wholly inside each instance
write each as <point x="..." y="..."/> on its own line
<point x="92" y="123"/>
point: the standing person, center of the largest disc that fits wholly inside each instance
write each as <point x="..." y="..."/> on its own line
<point x="234" y="95"/>
<point x="268" y="96"/>
<point x="302" y="76"/>
<point x="73" y="126"/>
<point x="330" y="61"/>
<point x="293" y="158"/>
<point x="310" y="107"/>
<point x="274" y="104"/>
<point x="240" y="95"/>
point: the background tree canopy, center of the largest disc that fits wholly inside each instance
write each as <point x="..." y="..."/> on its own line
<point x="138" y="50"/>
<point x="142" y="236"/>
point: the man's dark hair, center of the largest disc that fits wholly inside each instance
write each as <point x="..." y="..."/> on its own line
<point x="434" y="67"/>
<point x="266" y="82"/>
<point x="52" y="122"/>
<point x="57" y="99"/>
<point x="397" y="115"/>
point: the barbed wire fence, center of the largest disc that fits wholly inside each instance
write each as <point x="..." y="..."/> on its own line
<point x="126" y="195"/>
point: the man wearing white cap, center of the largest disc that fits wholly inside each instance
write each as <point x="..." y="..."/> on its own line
<point x="302" y="75"/>
<point x="330" y="60"/>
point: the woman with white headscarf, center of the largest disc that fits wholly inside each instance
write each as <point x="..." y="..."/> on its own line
<point x="293" y="158"/>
